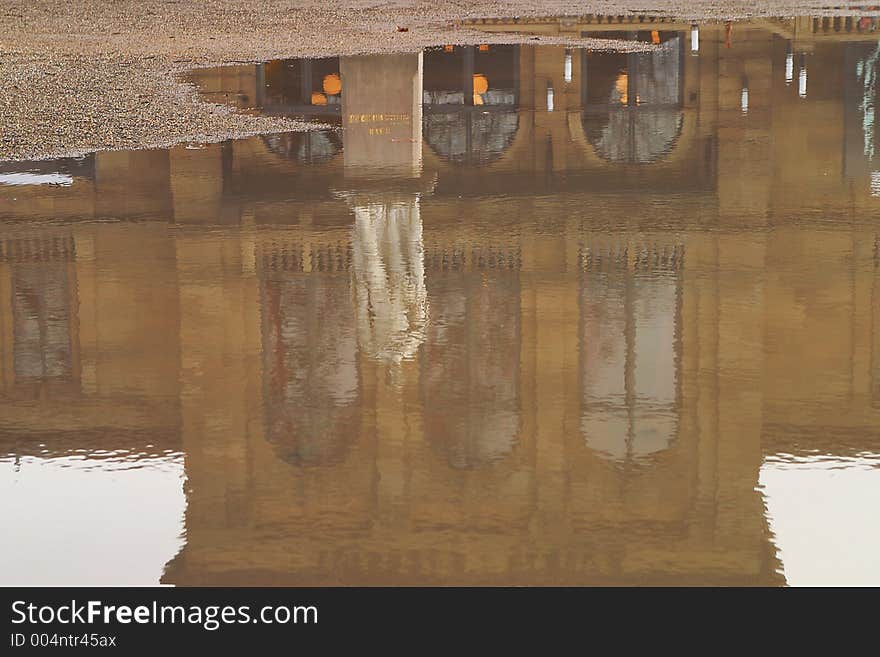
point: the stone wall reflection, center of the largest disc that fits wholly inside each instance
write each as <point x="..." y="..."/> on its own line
<point x="470" y="368"/>
<point x="629" y="360"/>
<point x="377" y="380"/>
<point x="310" y="367"/>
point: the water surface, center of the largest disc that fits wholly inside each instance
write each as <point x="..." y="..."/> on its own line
<point x="522" y="315"/>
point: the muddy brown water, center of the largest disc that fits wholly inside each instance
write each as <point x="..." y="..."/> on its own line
<point x="522" y="315"/>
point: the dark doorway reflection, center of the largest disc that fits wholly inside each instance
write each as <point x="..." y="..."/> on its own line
<point x="633" y="111"/>
<point x="303" y="87"/>
<point x="470" y="100"/>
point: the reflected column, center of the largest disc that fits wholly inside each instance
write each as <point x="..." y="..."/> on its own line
<point x="382" y="120"/>
<point x="220" y="378"/>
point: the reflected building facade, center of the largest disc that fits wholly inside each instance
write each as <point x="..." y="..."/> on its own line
<point x="536" y="315"/>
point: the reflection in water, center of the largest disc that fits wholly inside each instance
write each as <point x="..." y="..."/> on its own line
<point x="305" y="147"/>
<point x="471" y="364"/>
<point x="42" y="321"/>
<point x="145" y="505"/>
<point x="377" y="363"/>
<point x="866" y="72"/>
<point x="309" y="85"/>
<point x="470" y="98"/>
<point x="389" y="279"/>
<point x="842" y="495"/>
<point x="311" y="375"/>
<point x="468" y="137"/>
<point x="636" y="117"/>
<point x="628" y="361"/>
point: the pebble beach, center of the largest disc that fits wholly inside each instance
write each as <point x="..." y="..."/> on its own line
<point x="85" y="75"/>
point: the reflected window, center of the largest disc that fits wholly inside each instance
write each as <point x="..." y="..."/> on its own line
<point x="470" y="367"/>
<point x="473" y="139"/>
<point x="470" y="97"/>
<point x="310" y="88"/>
<point x="629" y="376"/>
<point x="876" y="328"/>
<point x="633" y="101"/>
<point x="41" y="309"/>
<point x="861" y="95"/>
<point x="311" y="379"/>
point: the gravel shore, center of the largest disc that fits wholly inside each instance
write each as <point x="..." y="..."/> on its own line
<point x="86" y="75"/>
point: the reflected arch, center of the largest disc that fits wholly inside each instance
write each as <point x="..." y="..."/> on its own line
<point x="306" y="147"/>
<point x="311" y="381"/>
<point x="465" y="137"/>
<point x="470" y="100"/>
<point x="633" y="103"/>
<point x="630" y="318"/>
<point x="470" y="369"/>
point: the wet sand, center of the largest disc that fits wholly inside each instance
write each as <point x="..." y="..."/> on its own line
<point x="82" y="76"/>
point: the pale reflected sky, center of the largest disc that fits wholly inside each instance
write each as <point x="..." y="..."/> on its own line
<point x="74" y="521"/>
<point x="87" y="522"/>
<point x="825" y="514"/>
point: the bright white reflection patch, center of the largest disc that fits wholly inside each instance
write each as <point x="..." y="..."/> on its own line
<point x="73" y="521"/>
<point x="875" y="183"/>
<point x="36" y="179"/>
<point x="823" y="512"/>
